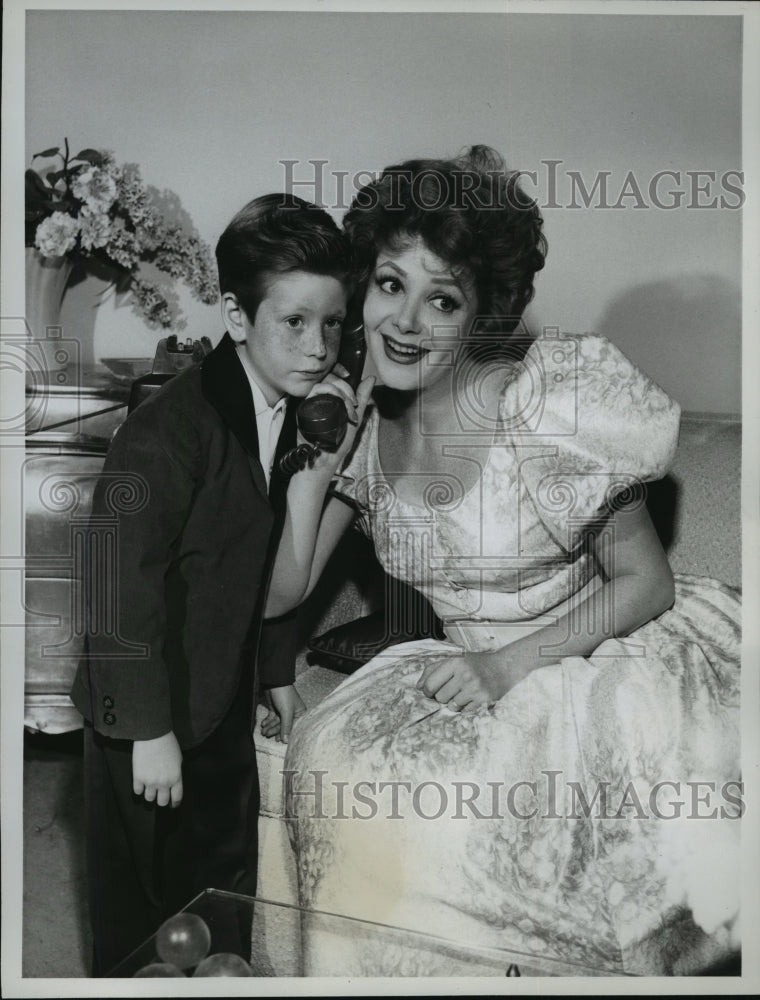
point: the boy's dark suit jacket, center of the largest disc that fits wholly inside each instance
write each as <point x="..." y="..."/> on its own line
<point x="174" y="626"/>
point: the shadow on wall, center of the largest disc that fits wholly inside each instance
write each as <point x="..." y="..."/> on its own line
<point x="662" y="500"/>
<point x="98" y="284"/>
<point x="93" y="286"/>
<point x="655" y="323"/>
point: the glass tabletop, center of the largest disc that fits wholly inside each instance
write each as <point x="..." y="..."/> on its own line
<point x="227" y="934"/>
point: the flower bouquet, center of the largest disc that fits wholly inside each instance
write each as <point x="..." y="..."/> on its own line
<point x="85" y="207"/>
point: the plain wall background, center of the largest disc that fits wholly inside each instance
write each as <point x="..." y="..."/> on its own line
<point x="208" y="103"/>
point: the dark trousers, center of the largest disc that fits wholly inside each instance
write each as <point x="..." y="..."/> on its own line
<point x="146" y="862"/>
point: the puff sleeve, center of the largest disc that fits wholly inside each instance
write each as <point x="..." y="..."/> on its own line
<point x="588" y="428"/>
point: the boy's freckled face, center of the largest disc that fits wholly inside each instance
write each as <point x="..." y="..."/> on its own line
<point x="294" y="339"/>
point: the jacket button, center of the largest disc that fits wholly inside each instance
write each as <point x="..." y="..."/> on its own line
<point x="108" y="701"/>
<point x="109" y="718"/>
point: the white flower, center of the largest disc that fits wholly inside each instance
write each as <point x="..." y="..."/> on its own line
<point x="56" y="235"/>
<point x="96" y="229"/>
<point x="122" y="246"/>
<point x="95" y="187"/>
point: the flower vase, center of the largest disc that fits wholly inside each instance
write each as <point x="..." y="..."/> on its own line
<point x="46" y="280"/>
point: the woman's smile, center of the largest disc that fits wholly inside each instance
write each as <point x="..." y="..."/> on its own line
<point x="402" y="354"/>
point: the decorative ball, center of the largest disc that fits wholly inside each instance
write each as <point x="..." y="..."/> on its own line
<point x="223" y="964"/>
<point x="183" y="940"/>
<point x="159" y="969"/>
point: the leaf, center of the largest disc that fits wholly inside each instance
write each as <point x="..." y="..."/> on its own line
<point x="35" y="215"/>
<point x="35" y="184"/>
<point x="90" y="156"/>
<point x="54" y="176"/>
<point x="39" y="206"/>
<point x="47" y="152"/>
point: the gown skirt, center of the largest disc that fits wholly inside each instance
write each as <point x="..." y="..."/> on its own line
<point x="590" y="816"/>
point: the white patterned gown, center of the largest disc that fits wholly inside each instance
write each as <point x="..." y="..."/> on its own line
<point x="563" y="821"/>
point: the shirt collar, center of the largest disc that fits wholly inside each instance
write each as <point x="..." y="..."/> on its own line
<point x="260" y="405"/>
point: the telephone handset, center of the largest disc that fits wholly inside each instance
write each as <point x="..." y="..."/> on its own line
<point x="322" y="419"/>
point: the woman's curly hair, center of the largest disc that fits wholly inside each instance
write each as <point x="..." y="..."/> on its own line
<point x="471" y="212"/>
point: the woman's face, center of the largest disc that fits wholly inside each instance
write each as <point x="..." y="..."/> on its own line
<point x="415" y="309"/>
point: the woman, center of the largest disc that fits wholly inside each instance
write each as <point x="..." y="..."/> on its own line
<point x="524" y="783"/>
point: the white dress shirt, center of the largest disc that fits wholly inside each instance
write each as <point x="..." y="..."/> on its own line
<point x="268" y="418"/>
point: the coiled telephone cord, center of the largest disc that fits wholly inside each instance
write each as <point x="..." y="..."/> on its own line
<point x="298" y="458"/>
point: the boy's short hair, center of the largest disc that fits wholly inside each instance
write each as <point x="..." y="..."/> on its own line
<point x="273" y="235"/>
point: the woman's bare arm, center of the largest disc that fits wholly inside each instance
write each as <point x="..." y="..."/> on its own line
<point x="638" y="586"/>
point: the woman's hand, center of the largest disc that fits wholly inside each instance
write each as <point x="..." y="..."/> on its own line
<point x="157" y="770"/>
<point x="466" y="681"/>
<point x="286" y="705"/>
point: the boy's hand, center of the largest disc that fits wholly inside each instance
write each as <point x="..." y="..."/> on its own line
<point x="287" y="706"/>
<point x="157" y="770"/>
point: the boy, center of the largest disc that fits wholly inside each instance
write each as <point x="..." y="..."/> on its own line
<point x="166" y="685"/>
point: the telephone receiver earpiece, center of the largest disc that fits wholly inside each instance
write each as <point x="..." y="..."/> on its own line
<point x="322" y="419"/>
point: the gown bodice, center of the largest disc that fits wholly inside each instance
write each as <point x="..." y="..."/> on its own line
<point x="578" y="430"/>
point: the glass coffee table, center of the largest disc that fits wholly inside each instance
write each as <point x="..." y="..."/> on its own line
<point x="196" y="942"/>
